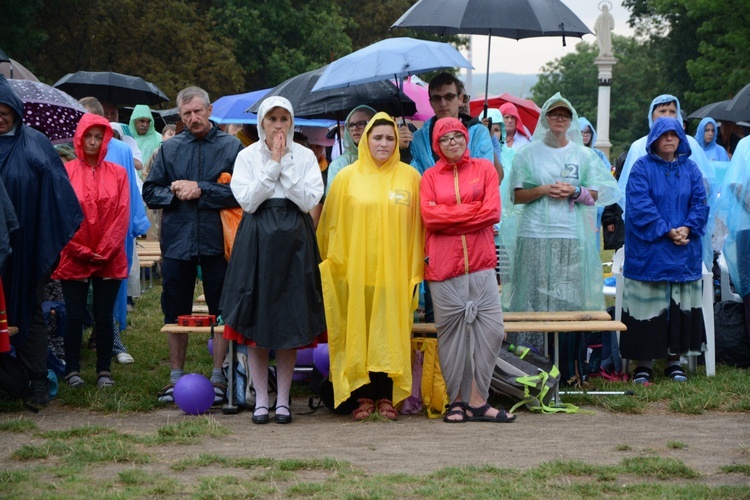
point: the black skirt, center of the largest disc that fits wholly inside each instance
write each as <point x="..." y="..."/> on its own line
<point x="272" y="293"/>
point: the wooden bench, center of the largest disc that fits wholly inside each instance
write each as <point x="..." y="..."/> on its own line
<point x="548" y="322"/>
<point x="175" y="328"/>
<point x="147" y="263"/>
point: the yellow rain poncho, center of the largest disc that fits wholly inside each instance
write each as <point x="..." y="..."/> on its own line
<point x="371" y="241"/>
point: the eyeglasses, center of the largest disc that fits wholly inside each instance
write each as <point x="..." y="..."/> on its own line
<point x="585" y="132"/>
<point x="361" y="124"/>
<point x="559" y="117"/>
<point x="447" y="139"/>
<point x="435" y="99"/>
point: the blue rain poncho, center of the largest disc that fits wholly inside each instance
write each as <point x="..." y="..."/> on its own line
<point x="583" y="123"/>
<point x="734" y="211"/>
<point x="664" y="195"/>
<point x="713" y="151"/>
<point x="638" y="149"/>
<point x="554" y="263"/>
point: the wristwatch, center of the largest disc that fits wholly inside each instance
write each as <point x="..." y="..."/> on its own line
<point x="577" y="193"/>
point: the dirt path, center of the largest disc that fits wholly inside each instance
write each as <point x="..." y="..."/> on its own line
<point x="415" y="444"/>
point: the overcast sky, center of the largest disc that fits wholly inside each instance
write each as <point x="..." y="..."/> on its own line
<point x="527" y="56"/>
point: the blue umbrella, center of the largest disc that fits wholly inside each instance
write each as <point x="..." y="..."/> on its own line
<point x="390" y="58"/>
<point x="231" y="109"/>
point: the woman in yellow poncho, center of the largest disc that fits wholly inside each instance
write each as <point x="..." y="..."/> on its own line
<point x="371" y="241"/>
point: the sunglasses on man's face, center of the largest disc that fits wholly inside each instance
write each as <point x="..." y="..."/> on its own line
<point x="435" y="99"/>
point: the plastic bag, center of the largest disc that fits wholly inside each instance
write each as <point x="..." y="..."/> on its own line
<point x="230" y="219"/>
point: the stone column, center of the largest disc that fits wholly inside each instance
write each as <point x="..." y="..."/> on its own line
<point x="605" y="64"/>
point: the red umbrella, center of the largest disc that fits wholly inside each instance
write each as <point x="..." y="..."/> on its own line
<point x="527" y="108"/>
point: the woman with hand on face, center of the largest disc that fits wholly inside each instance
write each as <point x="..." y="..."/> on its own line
<point x="272" y="296"/>
<point x="371" y="239"/>
<point x="97" y="252"/>
<point x="460" y="204"/>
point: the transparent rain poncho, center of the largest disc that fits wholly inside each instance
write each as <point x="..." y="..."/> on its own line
<point x="554" y="264"/>
<point x="734" y="211"/>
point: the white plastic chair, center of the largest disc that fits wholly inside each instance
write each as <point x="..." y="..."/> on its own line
<point x="726" y="289"/>
<point x="708" y="312"/>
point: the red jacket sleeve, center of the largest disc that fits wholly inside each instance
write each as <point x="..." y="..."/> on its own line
<point x="463" y="218"/>
<point x="113" y="240"/>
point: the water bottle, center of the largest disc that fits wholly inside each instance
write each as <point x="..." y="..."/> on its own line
<point x="52" y="379"/>
<point x="519" y="351"/>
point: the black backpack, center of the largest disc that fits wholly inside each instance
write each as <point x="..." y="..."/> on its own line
<point x="14" y="381"/>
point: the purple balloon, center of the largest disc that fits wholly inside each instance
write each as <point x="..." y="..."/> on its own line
<point x="211" y="346"/>
<point x="321" y="359"/>
<point x="194" y="393"/>
<point x="304" y="357"/>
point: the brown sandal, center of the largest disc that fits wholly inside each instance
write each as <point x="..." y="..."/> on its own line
<point x="365" y="409"/>
<point x="386" y="409"/>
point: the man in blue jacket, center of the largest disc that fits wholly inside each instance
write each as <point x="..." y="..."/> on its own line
<point x="182" y="183"/>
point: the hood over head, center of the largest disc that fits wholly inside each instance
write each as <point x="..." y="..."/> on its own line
<point x="510" y="109"/>
<point x="142" y="111"/>
<point x="583" y="123"/>
<point x="663" y="125"/>
<point x="662" y="99"/>
<point x="266" y="106"/>
<point x="9" y="97"/>
<point x="365" y="157"/>
<point x="87" y="121"/>
<point x="350" y="148"/>
<point x="700" y="133"/>
<point x="446" y="126"/>
<point x="543" y="133"/>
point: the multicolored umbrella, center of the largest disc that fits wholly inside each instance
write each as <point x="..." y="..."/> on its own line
<point x="49" y="110"/>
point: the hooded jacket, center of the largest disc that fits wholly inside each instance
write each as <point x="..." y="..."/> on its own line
<point x="664" y="195"/>
<point x="480" y="145"/>
<point x="583" y="123"/>
<point x="97" y="249"/>
<point x="460" y="202"/>
<point x="31" y="169"/>
<point x="371" y="241"/>
<point x="713" y="151"/>
<point x="350" y="153"/>
<point x="150" y="141"/>
<point x="522" y="135"/>
<point x="696" y="153"/>
<point x="257" y="177"/>
<point x="191" y="228"/>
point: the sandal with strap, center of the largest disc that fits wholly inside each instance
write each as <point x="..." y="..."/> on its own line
<point x="166" y="395"/>
<point x="676" y="373"/>
<point x="365" y="409"/>
<point x="220" y="393"/>
<point x="386" y="409"/>
<point x="455" y="409"/>
<point x="73" y="379"/>
<point x="643" y="375"/>
<point x="104" y="380"/>
<point x="480" y="415"/>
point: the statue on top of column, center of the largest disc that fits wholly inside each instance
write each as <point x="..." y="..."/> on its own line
<point x="603" y="27"/>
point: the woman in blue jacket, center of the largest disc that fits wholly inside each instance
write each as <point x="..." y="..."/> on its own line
<point x="667" y="214"/>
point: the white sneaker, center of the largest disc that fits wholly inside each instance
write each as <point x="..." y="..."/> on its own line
<point x="124" y="358"/>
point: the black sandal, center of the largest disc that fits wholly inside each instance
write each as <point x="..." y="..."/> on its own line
<point x="456" y="408"/>
<point x="480" y="415"/>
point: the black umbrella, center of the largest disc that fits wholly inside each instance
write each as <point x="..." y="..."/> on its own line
<point x="515" y="19"/>
<point x="741" y="104"/>
<point x="335" y="103"/>
<point x="718" y="111"/>
<point x="116" y="88"/>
